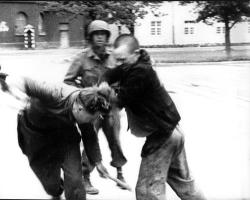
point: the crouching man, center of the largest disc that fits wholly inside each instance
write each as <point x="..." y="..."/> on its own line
<point x="45" y="133"/>
<point x="152" y="114"/>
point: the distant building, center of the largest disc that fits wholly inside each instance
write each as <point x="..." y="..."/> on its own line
<point x="173" y="24"/>
<point x="50" y="30"/>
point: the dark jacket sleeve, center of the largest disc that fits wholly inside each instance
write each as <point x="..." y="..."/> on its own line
<point x="111" y="75"/>
<point x="74" y="71"/>
<point x="135" y="86"/>
<point x="91" y="143"/>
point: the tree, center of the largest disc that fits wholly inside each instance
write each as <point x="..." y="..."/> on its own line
<point x="227" y="12"/>
<point x="122" y="12"/>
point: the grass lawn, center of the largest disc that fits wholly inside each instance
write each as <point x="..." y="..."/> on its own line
<point x="195" y="55"/>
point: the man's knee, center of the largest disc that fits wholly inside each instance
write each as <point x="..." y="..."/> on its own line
<point x="140" y="191"/>
<point x="177" y="137"/>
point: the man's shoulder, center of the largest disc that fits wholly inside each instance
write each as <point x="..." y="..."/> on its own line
<point x="80" y="55"/>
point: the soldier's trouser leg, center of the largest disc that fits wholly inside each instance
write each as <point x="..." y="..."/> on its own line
<point x="111" y="129"/>
<point x="90" y="154"/>
<point x="168" y="163"/>
<point x="87" y="168"/>
<point x="73" y="186"/>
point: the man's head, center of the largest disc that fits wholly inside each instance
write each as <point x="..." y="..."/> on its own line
<point x="98" y="32"/>
<point x="126" y="49"/>
<point x="91" y="103"/>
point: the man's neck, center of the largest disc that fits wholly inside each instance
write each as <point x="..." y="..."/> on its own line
<point x="100" y="51"/>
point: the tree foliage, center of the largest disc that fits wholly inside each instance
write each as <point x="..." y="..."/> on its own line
<point x="227" y="12"/>
<point x="123" y="12"/>
<point x="221" y="11"/>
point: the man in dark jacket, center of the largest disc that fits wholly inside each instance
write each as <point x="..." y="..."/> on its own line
<point x="87" y="68"/>
<point x="48" y="131"/>
<point x="152" y="114"/>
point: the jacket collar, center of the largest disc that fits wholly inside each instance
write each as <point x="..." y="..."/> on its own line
<point x="92" y="54"/>
<point x="144" y="57"/>
<point x="143" y="61"/>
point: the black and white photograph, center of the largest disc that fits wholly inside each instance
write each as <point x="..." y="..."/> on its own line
<point x="125" y="100"/>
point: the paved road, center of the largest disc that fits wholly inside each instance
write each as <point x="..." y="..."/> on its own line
<point x="214" y="102"/>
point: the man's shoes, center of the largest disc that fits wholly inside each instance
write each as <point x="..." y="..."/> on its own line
<point x="90" y="189"/>
<point x="121" y="178"/>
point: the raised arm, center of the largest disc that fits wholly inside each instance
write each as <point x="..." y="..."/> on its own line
<point x="21" y="87"/>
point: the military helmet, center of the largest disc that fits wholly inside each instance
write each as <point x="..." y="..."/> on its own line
<point x="98" y="25"/>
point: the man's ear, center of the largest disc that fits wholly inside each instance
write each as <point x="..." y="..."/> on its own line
<point x="137" y="51"/>
<point x="79" y="107"/>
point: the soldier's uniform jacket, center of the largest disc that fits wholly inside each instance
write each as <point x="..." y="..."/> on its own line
<point x="89" y="67"/>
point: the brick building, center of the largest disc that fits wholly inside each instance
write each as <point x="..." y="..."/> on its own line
<point x="51" y="30"/>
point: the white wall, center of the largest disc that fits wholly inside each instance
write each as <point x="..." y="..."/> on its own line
<point x="172" y="29"/>
<point x="115" y="32"/>
<point x="143" y="28"/>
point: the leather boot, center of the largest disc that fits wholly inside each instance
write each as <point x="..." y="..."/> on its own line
<point x="90" y="189"/>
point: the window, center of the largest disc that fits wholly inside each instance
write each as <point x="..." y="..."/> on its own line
<point x="41" y="30"/>
<point x="220" y="30"/>
<point x="189" y="30"/>
<point x="20" y="23"/>
<point x="189" y="22"/>
<point x="186" y="30"/>
<point x="155" y="28"/>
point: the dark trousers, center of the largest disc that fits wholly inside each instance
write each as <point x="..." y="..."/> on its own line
<point x="49" y="175"/>
<point x="111" y="128"/>
<point x="167" y="164"/>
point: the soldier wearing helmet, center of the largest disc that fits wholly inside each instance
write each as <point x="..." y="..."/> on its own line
<point x="85" y="71"/>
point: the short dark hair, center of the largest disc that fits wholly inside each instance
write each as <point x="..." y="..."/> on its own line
<point x="127" y="39"/>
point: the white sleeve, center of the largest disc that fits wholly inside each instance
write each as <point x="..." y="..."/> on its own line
<point x="16" y="87"/>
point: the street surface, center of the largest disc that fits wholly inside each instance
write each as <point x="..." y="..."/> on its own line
<point x="212" y="98"/>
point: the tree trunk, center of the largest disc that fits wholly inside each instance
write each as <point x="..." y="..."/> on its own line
<point x="227" y="39"/>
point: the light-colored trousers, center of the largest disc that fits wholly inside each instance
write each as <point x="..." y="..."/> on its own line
<point x="167" y="164"/>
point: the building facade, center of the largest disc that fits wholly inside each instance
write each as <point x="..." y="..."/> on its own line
<point x="173" y="24"/>
<point x="51" y="30"/>
<point x="169" y="25"/>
